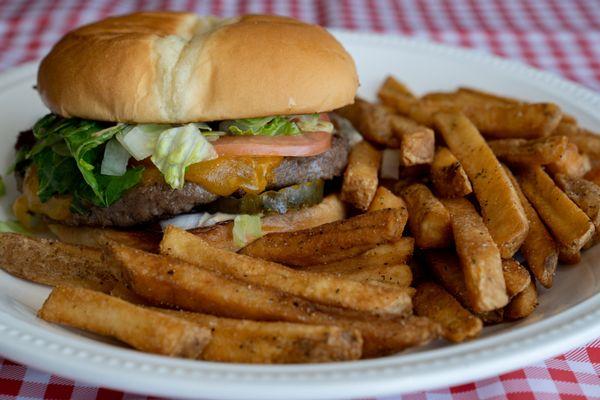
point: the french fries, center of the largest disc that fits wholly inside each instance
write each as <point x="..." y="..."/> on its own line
<point x="457" y="323"/>
<point x="163" y="280"/>
<point x="100" y="237"/>
<point x="568" y="224"/>
<point x="539" y="249"/>
<point x="586" y="195"/>
<point x="571" y="163"/>
<point x="417" y="142"/>
<point x="143" y="329"/>
<point x="477" y="95"/>
<point x="428" y="219"/>
<point x="541" y="151"/>
<point x="385" y="199"/>
<point x="331" y="242"/>
<point x="448" y="176"/>
<point x="319" y="288"/>
<point x="383" y="255"/>
<point x="496" y="195"/>
<point x="523" y="304"/>
<point x="391" y="88"/>
<point x="360" y="178"/>
<point x="479" y="257"/>
<point x="395" y="275"/>
<point x="329" y="210"/>
<point x="55" y="263"/>
<point x="372" y="121"/>
<point x="247" y="341"/>
<point x="516" y="277"/>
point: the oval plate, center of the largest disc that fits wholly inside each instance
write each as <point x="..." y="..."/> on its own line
<point x="568" y="316"/>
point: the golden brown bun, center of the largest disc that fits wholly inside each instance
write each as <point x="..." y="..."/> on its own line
<point x="177" y="67"/>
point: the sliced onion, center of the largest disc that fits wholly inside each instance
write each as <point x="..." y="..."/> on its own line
<point x="197" y="220"/>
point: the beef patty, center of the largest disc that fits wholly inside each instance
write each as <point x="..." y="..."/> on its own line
<point x="158" y="201"/>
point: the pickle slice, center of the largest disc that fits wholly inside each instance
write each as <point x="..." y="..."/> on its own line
<point x="272" y="201"/>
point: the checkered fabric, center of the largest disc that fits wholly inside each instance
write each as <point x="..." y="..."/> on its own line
<point x="562" y="36"/>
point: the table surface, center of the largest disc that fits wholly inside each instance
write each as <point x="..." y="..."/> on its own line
<point x="561" y="36"/>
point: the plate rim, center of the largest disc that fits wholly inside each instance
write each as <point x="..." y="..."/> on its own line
<point x="383" y="376"/>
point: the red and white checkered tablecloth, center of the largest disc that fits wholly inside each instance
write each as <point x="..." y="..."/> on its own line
<point x="562" y="36"/>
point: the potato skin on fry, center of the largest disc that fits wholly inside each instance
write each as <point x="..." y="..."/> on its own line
<point x="457" y="323"/>
<point x="448" y="176"/>
<point x="141" y="328"/>
<point x="331" y="242"/>
<point x="361" y="176"/>
<point x="495" y="193"/>
<point x="479" y="257"/>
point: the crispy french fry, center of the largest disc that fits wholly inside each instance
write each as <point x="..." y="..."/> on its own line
<point x="383" y="255"/>
<point x="541" y="151"/>
<point x="392" y="88"/>
<point x="495" y="193"/>
<point x="516" y="277"/>
<point x="457" y="323"/>
<point x="428" y="219"/>
<point x="479" y="257"/>
<point x="539" y="249"/>
<point x="523" y="304"/>
<point x="448" y="176"/>
<point x="395" y="275"/>
<point x="317" y="287"/>
<point x="331" y="242"/>
<point x="168" y="281"/>
<point x="571" y="163"/>
<point x="385" y="199"/>
<point x="99" y="237"/>
<point x="247" y="341"/>
<point x="417" y="142"/>
<point x="360" y="178"/>
<point x="587" y="142"/>
<point x="477" y="95"/>
<point x="446" y="269"/>
<point x="329" y="210"/>
<point x="373" y="121"/>
<point x="593" y="175"/>
<point x="54" y="263"/>
<point x="568" y="256"/>
<point x="586" y="195"/>
<point x="568" y="224"/>
<point x="139" y="327"/>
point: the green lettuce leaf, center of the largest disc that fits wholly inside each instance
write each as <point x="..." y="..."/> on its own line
<point x="246" y="229"/>
<point x="267" y="126"/>
<point x="115" y="160"/>
<point x="13" y="227"/>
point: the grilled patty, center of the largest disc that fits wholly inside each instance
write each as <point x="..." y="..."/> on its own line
<point x="158" y="201"/>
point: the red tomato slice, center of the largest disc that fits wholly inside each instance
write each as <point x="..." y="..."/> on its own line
<point x="305" y="145"/>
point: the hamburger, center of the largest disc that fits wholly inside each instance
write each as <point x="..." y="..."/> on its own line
<point x="158" y="114"/>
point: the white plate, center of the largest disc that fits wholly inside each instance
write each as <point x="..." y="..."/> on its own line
<point x="569" y="314"/>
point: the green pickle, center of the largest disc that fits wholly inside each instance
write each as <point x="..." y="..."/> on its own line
<point x="273" y="201"/>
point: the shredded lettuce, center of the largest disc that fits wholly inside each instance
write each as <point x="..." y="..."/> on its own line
<point x="13" y="227"/>
<point x="266" y="126"/>
<point x="140" y="140"/>
<point x="176" y="149"/>
<point x="2" y="187"/>
<point x="115" y="160"/>
<point x="246" y="229"/>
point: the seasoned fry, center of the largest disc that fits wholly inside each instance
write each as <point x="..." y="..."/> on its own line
<point x="477" y="95"/>
<point x="141" y="328"/>
<point x="523" y="304"/>
<point x="587" y="142"/>
<point x="417" y="142"/>
<point x="329" y="210"/>
<point x="496" y="195"/>
<point x="391" y="88"/>
<point x="320" y="288"/>
<point x="360" y="178"/>
<point x="331" y="242"/>
<point x="541" y="151"/>
<point x="373" y="121"/>
<point x="568" y="256"/>
<point x="167" y="281"/>
<point x="99" y="237"/>
<point x="396" y="275"/>
<point x="586" y="195"/>
<point x="385" y="199"/>
<point x="458" y="324"/>
<point x="247" y="341"/>
<point x="448" y="176"/>
<point x="539" y="249"/>
<point x="568" y="224"/>
<point x="55" y="263"/>
<point x="428" y="219"/>
<point x="593" y="176"/>
<point x="383" y="255"/>
<point x="479" y="257"/>
<point x="516" y="277"/>
<point x="571" y="163"/>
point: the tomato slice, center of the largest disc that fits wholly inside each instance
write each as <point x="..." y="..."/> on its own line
<point x="305" y="145"/>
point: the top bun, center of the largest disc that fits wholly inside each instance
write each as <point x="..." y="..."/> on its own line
<point x="166" y="67"/>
